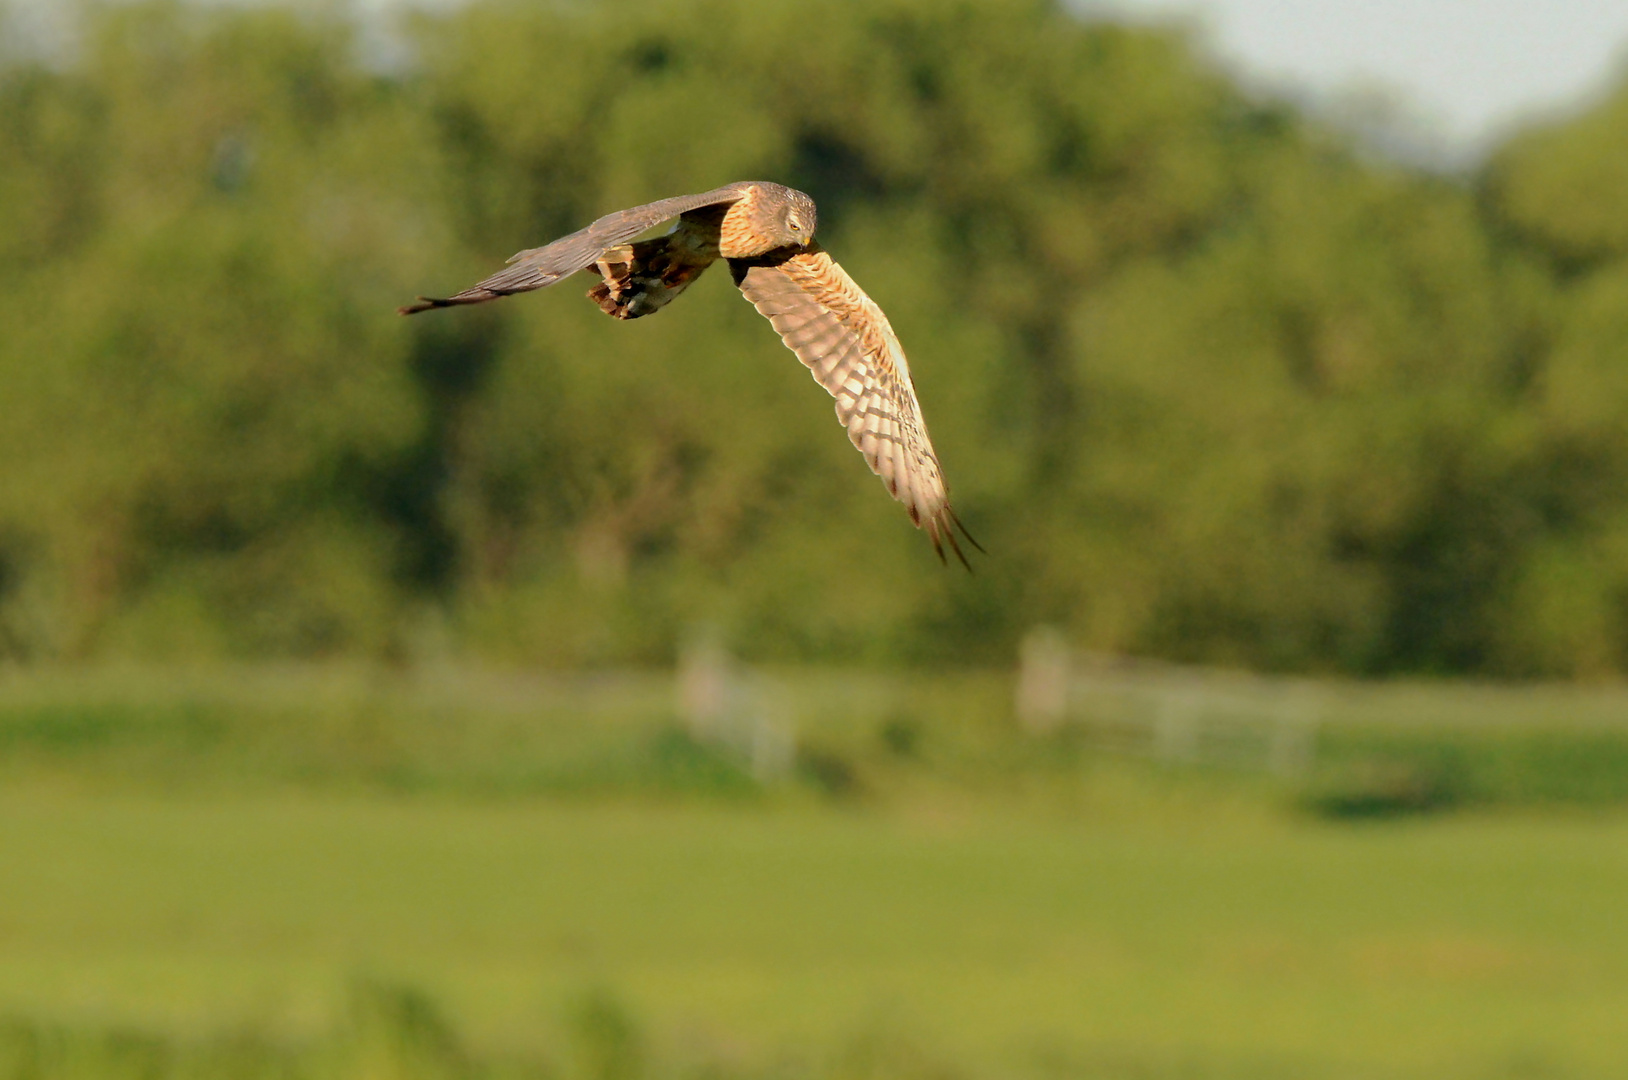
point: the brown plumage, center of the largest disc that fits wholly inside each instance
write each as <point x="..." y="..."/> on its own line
<point x="766" y="233"/>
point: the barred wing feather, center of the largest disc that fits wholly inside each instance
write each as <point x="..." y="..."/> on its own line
<point x="845" y="340"/>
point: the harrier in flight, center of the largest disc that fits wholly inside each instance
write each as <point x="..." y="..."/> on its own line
<point x="766" y="233"/>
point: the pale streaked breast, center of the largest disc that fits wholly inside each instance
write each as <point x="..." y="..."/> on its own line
<point x="736" y="237"/>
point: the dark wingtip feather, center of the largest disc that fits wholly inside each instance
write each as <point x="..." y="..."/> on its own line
<point x="955" y="546"/>
<point x="424" y="304"/>
<point x="970" y="538"/>
<point x="943" y="528"/>
<point x="479" y="294"/>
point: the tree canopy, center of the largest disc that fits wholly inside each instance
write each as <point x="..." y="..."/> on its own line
<point x="1208" y="381"/>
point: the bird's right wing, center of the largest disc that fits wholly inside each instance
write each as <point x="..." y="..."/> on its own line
<point x="845" y="340"/>
<point x="535" y="268"/>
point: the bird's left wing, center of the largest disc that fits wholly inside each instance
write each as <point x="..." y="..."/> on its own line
<point x="536" y="267"/>
<point x="846" y="342"/>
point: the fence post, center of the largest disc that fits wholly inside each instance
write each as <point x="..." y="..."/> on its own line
<point x="703" y="684"/>
<point x="1043" y="680"/>
<point x="740" y="710"/>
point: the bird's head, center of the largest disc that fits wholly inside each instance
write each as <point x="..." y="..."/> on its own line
<point x="797" y="220"/>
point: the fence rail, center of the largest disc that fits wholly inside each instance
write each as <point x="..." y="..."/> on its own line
<point x="1164" y="711"/>
<point x="1169" y="712"/>
<point x="1175" y="714"/>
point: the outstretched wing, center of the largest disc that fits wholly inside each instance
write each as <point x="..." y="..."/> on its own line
<point x="536" y="267"/>
<point x="845" y="341"/>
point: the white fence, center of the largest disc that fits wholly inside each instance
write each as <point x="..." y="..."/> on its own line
<point x="727" y="704"/>
<point x="1176" y="714"/>
<point x="1181" y="715"/>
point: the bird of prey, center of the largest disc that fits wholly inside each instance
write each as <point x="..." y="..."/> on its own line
<point x="765" y="232"/>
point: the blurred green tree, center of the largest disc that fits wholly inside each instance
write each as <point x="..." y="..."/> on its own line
<point x="1208" y="382"/>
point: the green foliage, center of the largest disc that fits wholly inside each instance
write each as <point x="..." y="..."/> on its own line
<point x="1377" y="772"/>
<point x="277" y="728"/>
<point x="1208" y="384"/>
<point x="390" y="1033"/>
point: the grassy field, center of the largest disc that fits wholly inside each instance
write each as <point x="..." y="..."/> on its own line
<point x="1469" y="947"/>
<point x="1052" y="915"/>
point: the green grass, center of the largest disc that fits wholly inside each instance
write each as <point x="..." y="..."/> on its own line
<point x="232" y="873"/>
<point x="1457" y="947"/>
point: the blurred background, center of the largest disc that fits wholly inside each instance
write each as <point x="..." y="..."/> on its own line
<point x="508" y="691"/>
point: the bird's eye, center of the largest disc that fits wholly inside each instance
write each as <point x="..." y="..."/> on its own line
<point x="795" y="224"/>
